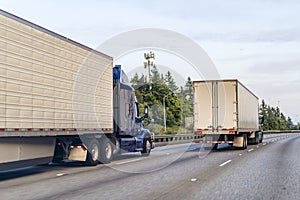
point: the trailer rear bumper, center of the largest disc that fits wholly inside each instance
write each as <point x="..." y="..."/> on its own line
<point x="218" y="139"/>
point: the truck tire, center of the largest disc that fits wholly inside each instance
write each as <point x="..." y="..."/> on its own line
<point x="245" y="142"/>
<point x="93" y="153"/>
<point x="58" y="155"/>
<point x="146" y="148"/>
<point x="106" y="151"/>
<point x="261" y="138"/>
<point x="256" y="138"/>
<point x="215" y="147"/>
<point x="207" y="148"/>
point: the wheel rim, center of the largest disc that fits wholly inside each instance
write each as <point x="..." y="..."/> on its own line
<point x="108" y="150"/>
<point x="95" y="152"/>
<point x="148" y="146"/>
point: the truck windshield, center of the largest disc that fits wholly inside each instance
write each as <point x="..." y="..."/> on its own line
<point x="124" y="78"/>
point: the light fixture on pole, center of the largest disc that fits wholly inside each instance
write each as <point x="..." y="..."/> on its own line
<point x="149" y="63"/>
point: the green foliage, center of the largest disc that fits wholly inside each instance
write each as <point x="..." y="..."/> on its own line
<point x="297" y="126"/>
<point x="163" y="91"/>
<point x="169" y="81"/>
<point x="274" y="119"/>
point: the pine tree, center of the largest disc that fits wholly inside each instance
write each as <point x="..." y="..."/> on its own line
<point x="188" y="88"/>
<point x="137" y="81"/>
<point x="274" y="118"/>
<point x="263" y="113"/>
<point x="155" y="76"/>
<point x="169" y="81"/>
<point x="290" y="123"/>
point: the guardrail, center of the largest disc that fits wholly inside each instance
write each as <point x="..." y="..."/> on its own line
<point x="281" y="131"/>
<point x="176" y="137"/>
<point x="181" y="137"/>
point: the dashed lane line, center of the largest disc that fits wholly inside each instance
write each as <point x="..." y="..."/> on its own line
<point x="128" y="161"/>
<point x="225" y="163"/>
<point x="61" y="174"/>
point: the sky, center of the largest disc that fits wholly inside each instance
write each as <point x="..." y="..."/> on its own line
<point x="256" y="42"/>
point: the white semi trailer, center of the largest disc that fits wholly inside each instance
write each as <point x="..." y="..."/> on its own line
<point x="61" y="100"/>
<point x="225" y="111"/>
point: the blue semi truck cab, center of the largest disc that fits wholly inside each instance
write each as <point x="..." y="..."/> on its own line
<point x="129" y="128"/>
<point x="129" y="133"/>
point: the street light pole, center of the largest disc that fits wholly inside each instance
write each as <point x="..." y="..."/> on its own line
<point x="165" y="120"/>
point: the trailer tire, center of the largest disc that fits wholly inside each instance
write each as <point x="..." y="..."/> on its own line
<point x="58" y="155"/>
<point x="245" y="142"/>
<point x="256" y="138"/>
<point x="106" y="151"/>
<point x="146" y="148"/>
<point x="57" y="159"/>
<point x="210" y="148"/>
<point x="215" y="147"/>
<point x="207" y="148"/>
<point x="93" y="153"/>
<point x="261" y="138"/>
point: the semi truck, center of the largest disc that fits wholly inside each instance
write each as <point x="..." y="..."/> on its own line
<point x="61" y="100"/>
<point x="225" y="111"/>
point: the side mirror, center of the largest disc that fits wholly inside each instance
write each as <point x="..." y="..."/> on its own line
<point x="261" y="119"/>
<point x="146" y="110"/>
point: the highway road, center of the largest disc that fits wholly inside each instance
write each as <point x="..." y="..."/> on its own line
<point x="270" y="170"/>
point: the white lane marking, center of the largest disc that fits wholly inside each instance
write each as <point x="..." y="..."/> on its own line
<point x="264" y="144"/>
<point x="250" y="150"/>
<point x="128" y="161"/>
<point x="60" y="174"/>
<point x="241" y="154"/>
<point x="257" y="146"/>
<point x="167" y="154"/>
<point x="225" y="163"/>
<point x="193" y="179"/>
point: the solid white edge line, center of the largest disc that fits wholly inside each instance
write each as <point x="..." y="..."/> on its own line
<point x="128" y="161"/>
<point x="225" y="163"/>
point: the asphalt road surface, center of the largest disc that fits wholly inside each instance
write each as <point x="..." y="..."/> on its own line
<point x="270" y="170"/>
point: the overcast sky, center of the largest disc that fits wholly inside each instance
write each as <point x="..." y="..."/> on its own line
<point x="257" y="41"/>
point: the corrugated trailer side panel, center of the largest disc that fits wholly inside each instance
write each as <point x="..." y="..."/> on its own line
<point x="48" y="82"/>
<point x="247" y="110"/>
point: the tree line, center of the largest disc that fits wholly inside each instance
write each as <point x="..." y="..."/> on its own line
<point x="274" y="119"/>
